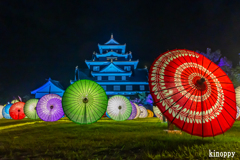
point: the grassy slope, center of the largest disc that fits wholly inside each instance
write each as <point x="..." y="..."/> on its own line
<point x="108" y="139"/>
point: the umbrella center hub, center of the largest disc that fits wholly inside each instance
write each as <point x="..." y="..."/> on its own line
<point x="201" y="84"/>
<point x="85" y="100"/>
<point x="51" y="107"/>
<point x="119" y="107"/>
<point x="19" y="110"/>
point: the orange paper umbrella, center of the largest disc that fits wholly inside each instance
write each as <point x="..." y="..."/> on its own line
<point x="16" y="111"/>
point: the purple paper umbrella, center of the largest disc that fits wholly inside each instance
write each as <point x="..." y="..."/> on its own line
<point x="134" y="112"/>
<point x="49" y="108"/>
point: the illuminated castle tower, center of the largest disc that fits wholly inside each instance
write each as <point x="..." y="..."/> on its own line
<point x="114" y="69"/>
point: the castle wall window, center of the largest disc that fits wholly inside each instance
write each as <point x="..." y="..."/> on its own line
<point x="111" y="78"/>
<point x="128" y="88"/>
<point x="123" y="77"/>
<point x="116" y="88"/>
<point x="95" y="68"/>
<point x="104" y="87"/>
<point x="127" y="68"/>
<point x="99" y="78"/>
<point x="142" y="87"/>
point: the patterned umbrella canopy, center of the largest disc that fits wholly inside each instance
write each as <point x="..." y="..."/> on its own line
<point x="49" y="108"/>
<point x="119" y="108"/>
<point x="84" y="102"/>
<point x="134" y="111"/>
<point x="30" y="109"/>
<point x="138" y="111"/>
<point x="16" y="111"/>
<point x="143" y="113"/>
<point x="157" y="112"/>
<point x="5" y="111"/>
<point x="193" y="93"/>
<point x="150" y="113"/>
<point x="1" y="108"/>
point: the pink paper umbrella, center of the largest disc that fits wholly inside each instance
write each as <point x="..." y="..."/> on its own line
<point x="49" y="108"/>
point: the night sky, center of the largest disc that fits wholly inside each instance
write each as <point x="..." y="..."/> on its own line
<point x="42" y="39"/>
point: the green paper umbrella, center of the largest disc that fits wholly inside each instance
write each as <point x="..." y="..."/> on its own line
<point x="84" y="102"/>
<point x="119" y="108"/>
<point x="30" y="109"/>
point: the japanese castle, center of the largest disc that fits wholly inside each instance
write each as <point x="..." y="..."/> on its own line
<point x="114" y="69"/>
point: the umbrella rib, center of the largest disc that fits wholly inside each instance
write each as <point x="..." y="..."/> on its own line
<point x="192" y="71"/>
<point x="212" y="72"/>
<point x="222" y="82"/>
<point x="172" y="71"/>
<point x="207" y="68"/>
<point x="215" y="114"/>
<point x="223" y="94"/>
<point x="222" y="114"/>
<point x="225" y="89"/>
<point x="189" y="109"/>
<point x="209" y="115"/>
<point x="224" y="107"/>
<point x="181" y="62"/>
<point x="169" y="76"/>
<point x="183" y="105"/>
<point x="192" y="62"/>
<point x="217" y="77"/>
<point x="197" y="64"/>
<point x="173" y="95"/>
<point x="194" y="117"/>
<point x="169" y="88"/>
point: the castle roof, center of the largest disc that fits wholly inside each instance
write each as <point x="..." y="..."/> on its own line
<point x="112" y="41"/>
<point x="51" y="86"/>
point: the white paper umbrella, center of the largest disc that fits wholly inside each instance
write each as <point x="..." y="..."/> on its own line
<point x="144" y="112"/>
<point x="1" y="108"/>
<point x="237" y="91"/>
<point x="119" y="108"/>
<point x="138" y="111"/>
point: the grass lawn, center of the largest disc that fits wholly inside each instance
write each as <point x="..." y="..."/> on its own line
<point x="107" y="139"/>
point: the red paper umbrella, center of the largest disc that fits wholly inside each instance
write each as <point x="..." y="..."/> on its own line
<point x="16" y="111"/>
<point x="193" y="93"/>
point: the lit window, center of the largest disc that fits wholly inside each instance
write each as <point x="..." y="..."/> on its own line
<point x="104" y="87"/>
<point x="123" y="77"/>
<point x="111" y="78"/>
<point x="142" y="87"/>
<point x="95" y="68"/>
<point x="128" y="88"/>
<point x="127" y="68"/>
<point x="116" y="88"/>
<point x="99" y="78"/>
